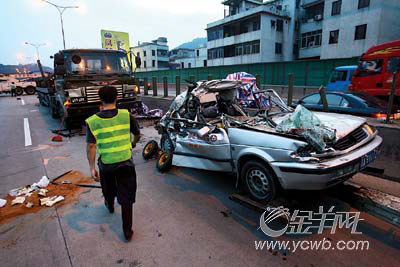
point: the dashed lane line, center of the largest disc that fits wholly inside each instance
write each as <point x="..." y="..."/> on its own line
<point x="27" y="132"/>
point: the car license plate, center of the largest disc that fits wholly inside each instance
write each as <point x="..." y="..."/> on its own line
<point x="367" y="159"/>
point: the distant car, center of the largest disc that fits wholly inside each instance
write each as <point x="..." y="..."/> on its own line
<point x="340" y="78"/>
<point x="348" y="103"/>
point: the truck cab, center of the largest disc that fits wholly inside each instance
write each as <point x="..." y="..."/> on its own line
<point x="373" y="75"/>
<point x="340" y="78"/>
<point x="79" y="74"/>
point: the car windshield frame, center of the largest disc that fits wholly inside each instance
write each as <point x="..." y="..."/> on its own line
<point x="98" y="63"/>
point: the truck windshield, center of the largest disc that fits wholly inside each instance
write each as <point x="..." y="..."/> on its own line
<point x="369" y="67"/>
<point x="98" y="63"/>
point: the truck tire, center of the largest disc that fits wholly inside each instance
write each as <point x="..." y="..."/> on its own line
<point x="19" y="91"/>
<point x="30" y="90"/>
<point x="258" y="181"/>
<point x="149" y="150"/>
<point x="164" y="162"/>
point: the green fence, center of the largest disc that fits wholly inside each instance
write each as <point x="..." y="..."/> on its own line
<point x="307" y="73"/>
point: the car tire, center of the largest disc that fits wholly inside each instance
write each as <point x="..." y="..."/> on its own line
<point x="258" y="181"/>
<point x="164" y="162"/>
<point x="30" y="90"/>
<point x="149" y="150"/>
<point x="166" y="144"/>
<point x="19" y="91"/>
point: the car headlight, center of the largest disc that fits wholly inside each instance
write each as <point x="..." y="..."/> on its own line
<point x="136" y="89"/>
<point x="370" y="129"/>
<point x="79" y="92"/>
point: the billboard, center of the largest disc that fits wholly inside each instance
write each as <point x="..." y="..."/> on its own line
<point x="115" y="40"/>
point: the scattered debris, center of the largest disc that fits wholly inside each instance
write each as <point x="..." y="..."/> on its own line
<point x="57" y="138"/>
<point x="42" y="192"/>
<point x="29" y="205"/>
<point x="44" y="182"/>
<point x="50" y="201"/>
<point x="18" y="200"/>
<point x="3" y="202"/>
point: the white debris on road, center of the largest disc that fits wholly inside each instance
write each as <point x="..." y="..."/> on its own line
<point x="3" y="202"/>
<point x="18" y="200"/>
<point x="29" y="205"/>
<point x="44" y="182"/>
<point x="42" y="192"/>
<point x="50" y="201"/>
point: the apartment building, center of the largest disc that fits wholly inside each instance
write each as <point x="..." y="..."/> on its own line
<point x="253" y="31"/>
<point x="154" y="54"/>
<point x="183" y="58"/>
<point x="283" y="30"/>
<point x="346" y="28"/>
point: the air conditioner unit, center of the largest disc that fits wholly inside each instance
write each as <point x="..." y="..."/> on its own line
<point x="318" y="17"/>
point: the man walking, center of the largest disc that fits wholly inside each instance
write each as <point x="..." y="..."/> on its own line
<point x="13" y="89"/>
<point x="109" y="131"/>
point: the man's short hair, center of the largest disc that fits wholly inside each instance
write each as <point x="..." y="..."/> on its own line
<point x="108" y="94"/>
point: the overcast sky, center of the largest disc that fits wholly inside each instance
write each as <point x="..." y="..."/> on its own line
<point x="145" y="20"/>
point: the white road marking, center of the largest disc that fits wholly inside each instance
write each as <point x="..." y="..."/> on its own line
<point x="27" y="131"/>
<point x="22" y="102"/>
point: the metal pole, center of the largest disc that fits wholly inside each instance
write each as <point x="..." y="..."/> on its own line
<point x="165" y="82"/>
<point x="290" y="90"/>
<point x="391" y="97"/>
<point x="178" y="84"/>
<point x="62" y="25"/>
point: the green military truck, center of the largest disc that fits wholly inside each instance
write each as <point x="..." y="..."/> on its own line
<point x="71" y="93"/>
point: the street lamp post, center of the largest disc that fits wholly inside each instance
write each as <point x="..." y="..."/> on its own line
<point x="37" y="48"/>
<point x="61" y="10"/>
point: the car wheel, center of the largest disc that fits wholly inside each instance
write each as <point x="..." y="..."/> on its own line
<point x="19" y="91"/>
<point x="166" y="144"/>
<point x="164" y="162"/>
<point x="30" y="90"/>
<point x="258" y="181"/>
<point x="150" y="149"/>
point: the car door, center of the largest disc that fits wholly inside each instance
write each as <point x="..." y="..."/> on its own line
<point x="200" y="149"/>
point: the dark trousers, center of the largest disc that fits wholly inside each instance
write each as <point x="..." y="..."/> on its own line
<point x="120" y="182"/>
<point x="13" y="93"/>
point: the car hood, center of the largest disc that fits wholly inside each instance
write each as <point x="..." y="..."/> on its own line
<point x="343" y="124"/>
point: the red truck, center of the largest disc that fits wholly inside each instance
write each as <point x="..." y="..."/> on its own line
<point x="373" y="75"/>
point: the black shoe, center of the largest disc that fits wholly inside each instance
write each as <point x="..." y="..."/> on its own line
<point x="109" y="206"/>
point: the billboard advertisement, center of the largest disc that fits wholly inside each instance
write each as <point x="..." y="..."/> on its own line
<point x="115" y="40"/>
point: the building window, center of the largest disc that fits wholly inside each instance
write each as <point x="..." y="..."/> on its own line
<point x="361" y="32"/>
<point x="153" y="63"/>
<point x="215" y="34"/>
<point x="363" y="3"/>
<point x="183" y="65"/>
<point x="256" y="25"/>
<point x="278" y="48"/>
<point x="273" y="23"/>
<point x="279" y="25"/>
<point x="311" y="39"/>
<point x="153" y="53"/>
<point x="144" y="53"/>
<point x="334" y="37"/>
<point x="198" y="52"/>
<point x="255" y="47"/>
<point x="145" y="64"/>
<point x="336" y="6"/>
<point x="190" y="65"/>
<point x="205" y="63"/>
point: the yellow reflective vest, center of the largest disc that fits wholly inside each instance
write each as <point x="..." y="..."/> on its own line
<point x="113" y="136"/>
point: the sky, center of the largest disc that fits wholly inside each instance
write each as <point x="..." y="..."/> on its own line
<point x="145" y="20"/>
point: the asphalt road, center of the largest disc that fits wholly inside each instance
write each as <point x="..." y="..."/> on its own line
<point x="182" y="218"/>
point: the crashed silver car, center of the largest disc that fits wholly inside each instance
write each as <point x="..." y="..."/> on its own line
<point x="276" y="147"/>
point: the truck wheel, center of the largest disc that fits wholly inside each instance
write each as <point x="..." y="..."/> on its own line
<point x="30" y="90"/>
<point x="166" y="144"/>
<point x="149" y="150"/>
<point x="164" y="162"/>
<point x="258" y="181"/>
<point x="19" y="91"/>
